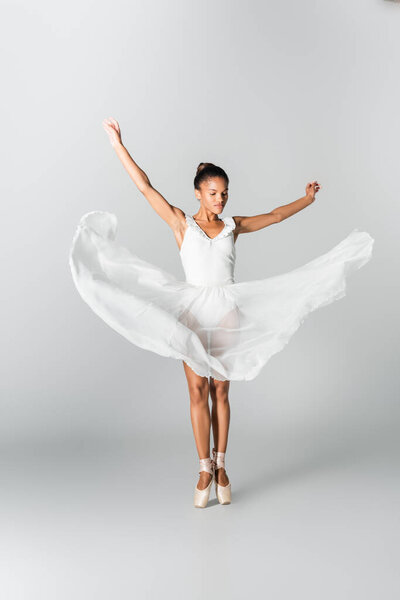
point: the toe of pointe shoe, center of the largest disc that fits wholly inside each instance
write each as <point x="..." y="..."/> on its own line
<point x="223" y="493"/>
<point x="201" y="496"/>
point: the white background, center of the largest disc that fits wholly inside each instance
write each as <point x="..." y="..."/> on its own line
<point x="278" y="94"/>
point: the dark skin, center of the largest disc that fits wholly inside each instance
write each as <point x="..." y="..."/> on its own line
<point x="213" y="197"/>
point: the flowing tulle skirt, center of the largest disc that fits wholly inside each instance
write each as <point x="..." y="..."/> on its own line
<point x="228" y="332"/>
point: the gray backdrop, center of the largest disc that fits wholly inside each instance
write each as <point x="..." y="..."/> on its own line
<point x="278" y="94"/>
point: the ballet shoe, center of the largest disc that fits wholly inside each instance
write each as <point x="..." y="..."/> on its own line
<point x="223" y="492"/>
<point x="201" y="496"/>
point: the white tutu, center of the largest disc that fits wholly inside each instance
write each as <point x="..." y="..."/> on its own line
<point x="220" y="328"/>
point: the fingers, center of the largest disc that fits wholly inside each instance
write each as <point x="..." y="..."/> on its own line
<point x="315" y="185"/>
<point x="107" y="124"/>
<point x="110" y="122"/>
<point x="115" y="123"/>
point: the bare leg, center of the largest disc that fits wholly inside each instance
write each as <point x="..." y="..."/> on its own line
<point x="200" y="416"/>
<point x="220" y="416"/>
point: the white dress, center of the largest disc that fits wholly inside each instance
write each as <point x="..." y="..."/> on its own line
<point x="220" y="328"/>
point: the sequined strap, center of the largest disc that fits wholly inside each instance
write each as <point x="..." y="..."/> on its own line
<point x="229" y="223"/>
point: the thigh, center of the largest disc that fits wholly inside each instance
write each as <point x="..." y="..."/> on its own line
<point x="194" y="381"/>
<point x="190" y="320"/>
<point x="224" y="337"/>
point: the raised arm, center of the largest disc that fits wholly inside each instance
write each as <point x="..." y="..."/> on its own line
<point x="256" y="222"/>
<point x="172" y="215"/>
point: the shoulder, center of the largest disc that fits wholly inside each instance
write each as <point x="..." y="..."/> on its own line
<point x="230" y="222"/>
<point x="178" y="221"/>
<point x="236" y="220"/>
<point x="179" y="216"/>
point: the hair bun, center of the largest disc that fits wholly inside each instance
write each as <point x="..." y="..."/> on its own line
<point x="206" y="171"/>
<point x="202" y="166"/>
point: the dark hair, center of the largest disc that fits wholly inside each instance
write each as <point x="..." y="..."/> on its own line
<point x="206" y="171"/>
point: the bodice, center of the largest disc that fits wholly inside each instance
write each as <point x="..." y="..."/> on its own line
<point x="205" y="260"/>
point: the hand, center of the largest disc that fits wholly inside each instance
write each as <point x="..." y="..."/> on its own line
<point x="312" y="189"/>
<point x="112" y="128"/>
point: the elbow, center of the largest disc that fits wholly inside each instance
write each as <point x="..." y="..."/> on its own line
<point x="278" y="217"/>
<point x="143" y="187"/>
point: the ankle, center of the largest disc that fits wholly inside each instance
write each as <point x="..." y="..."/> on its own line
<point x="206" y="473"/>
<point x="218" y="459"/>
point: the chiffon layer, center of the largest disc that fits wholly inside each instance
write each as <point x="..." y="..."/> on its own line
<point x="228" y="332"/>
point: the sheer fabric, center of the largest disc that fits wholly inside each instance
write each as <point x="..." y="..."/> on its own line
<point x="221" y="328"/>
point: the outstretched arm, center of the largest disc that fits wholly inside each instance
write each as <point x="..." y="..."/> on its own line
<point x="256" y="222"/>
<point x="172" y="215"/>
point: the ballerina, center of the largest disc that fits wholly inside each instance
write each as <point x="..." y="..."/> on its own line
<point x="220" y="329"/>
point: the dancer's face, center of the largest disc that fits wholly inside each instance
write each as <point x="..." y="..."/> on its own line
<point x="213" y="194"/>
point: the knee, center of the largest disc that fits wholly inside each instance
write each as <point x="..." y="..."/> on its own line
<point x="219" y="393"/>
<point x="199" y="394"/>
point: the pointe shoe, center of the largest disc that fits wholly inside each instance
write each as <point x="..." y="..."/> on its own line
<point x="201" y="496"/>
<point x="223" y="491"/>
